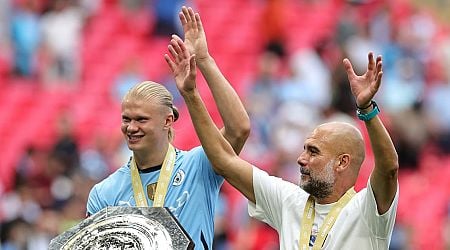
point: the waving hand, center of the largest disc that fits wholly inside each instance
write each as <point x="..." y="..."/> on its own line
<point x="364" y="87"/>
<point x="182" y="65"/>
<point x="194" y="35"/>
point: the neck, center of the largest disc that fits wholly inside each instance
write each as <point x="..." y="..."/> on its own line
<point x="334" y="196"/>
<point x="148" y="159"/>
<point x="329" y="199"/>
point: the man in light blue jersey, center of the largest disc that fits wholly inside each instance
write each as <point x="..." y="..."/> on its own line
<point x="159" y="174"/>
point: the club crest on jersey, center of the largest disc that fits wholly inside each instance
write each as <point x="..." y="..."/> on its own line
<point x="179" y="178"/>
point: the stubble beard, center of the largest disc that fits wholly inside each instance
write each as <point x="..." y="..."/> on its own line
<point x="323" y="187"/>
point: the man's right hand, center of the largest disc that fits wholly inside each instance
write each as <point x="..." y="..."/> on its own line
<point x="194" y="35"/>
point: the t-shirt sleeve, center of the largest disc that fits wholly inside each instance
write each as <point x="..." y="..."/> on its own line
<point x="206" y="169"/>
<point x="270" y="194"/>
<point x="380" y="224"/>
<point x="94" y="203"/>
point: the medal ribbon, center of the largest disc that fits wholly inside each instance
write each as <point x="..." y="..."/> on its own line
<point x="163" y="180"/>
<point x="308" y="219"/>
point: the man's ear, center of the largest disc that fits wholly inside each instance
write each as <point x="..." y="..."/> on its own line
<point x="343" y="162"/>
<point x="169" y="121"/>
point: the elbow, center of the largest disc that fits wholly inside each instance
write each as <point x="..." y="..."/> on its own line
<point x="388" y="167"/>
<point x="393" y="171"/>
<point x="240" y="137"/>
<point x="394" y="167"/>
<point x="243" y="131"/>
<point x="237" y="134"/>
<point x="395" y="164"/>
<point x="223" y="167"/>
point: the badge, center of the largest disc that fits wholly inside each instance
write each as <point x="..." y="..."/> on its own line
<point x="179" y="178"/>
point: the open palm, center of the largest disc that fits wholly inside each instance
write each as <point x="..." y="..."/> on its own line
<point x="364" y="87"/>
<point x="194" y="35"/>
<point x="182" y="65"/>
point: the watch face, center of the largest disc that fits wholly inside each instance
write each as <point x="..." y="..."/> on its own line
<point x="126" y="228"/>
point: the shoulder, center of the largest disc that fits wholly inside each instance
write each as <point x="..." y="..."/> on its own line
<point x="198" y="150"/>
<point x="113" y="180"/>
<point x="262" y="180"/>
<point x="366" y="197"/>
<point x="266" y="178"/>
<point x="194" y="155"/>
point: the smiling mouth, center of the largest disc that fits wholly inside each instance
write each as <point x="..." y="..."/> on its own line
<point x="134" y="138"/>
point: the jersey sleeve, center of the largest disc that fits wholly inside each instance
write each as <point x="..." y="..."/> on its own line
<point x="381" y="225"/>
<point x="94" y="203"/>
<point x="270" y="194"/>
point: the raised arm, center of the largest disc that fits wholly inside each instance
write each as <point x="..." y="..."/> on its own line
<point x="219" y="151"/>
<point x="384" y="176"/>
<point x="236" y="121"/>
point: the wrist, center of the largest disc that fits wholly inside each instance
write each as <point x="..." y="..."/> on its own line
<point x="365" y="106"/>
<point x="368" y="113"/>
<point x="203" y="59"/>
<point x="189" y="94"/>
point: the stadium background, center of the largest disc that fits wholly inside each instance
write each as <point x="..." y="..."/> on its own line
<point x="64" y="64"/>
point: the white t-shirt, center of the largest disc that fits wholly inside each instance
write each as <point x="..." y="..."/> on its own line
<point x="359" y="226"/>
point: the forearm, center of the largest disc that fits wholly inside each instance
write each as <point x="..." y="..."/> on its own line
<point x="386" y="159"/>
<point x="384" y="175"/>
<point x="235" y="118"/>
<point x="223" y="158"/>
<point x="214" y="144"/>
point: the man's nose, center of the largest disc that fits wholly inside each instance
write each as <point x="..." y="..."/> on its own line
<point x="302" y="160"/>
<point x="132" y="126"/>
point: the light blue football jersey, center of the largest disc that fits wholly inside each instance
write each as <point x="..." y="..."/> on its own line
<point x="191" y="196"/>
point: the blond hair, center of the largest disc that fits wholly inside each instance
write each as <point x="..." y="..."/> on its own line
<point x="152" y="91"/>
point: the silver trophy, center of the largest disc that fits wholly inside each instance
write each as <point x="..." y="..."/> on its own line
<point x="151" y="228"/>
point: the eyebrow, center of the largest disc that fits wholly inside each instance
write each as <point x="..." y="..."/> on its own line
<point x="312" y="148"/>
<point x="136" y="117"/>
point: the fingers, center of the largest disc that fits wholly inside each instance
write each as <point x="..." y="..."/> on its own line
<point x="377" y="84"/>
<point x="177" y="41"/>
<point x="199" y="22"/>
<point x="192" y="65"/>
<point x="379" y="74"/>
<point x="185" y="12"/>
<point x="378" y="59"/>
<point x="191" y="14"/>
<point x="185" y="19"/>
<point x="371" y="64"/>
<point x="182" y="19"/>
<point x="176" y="45"/>
<point x="176" y="37"/>
<point x="172" y="52"/>
<point x="379" y="65"/>
<point x="177" y="49"/>
<point x="190" y="19"/>
<point x="348" y="68"/>
<point x="183" y="50"/>
<point x="170" y="62"/>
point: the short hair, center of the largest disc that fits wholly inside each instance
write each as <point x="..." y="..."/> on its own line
<point x="153" y="91"/>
